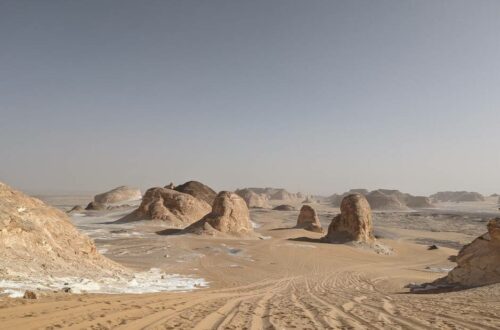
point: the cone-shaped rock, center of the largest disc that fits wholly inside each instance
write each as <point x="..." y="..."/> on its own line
<point x="354" y="223"/>
<point x="308" y="219"/>
<point x="229" y="215"/>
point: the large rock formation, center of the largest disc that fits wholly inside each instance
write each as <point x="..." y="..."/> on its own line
<point x="308" y="219"/>
<point x="229" y="216"/>
<point x="379" y="200"/>
<point x="457" y="196"/>
<point x="385" y="199"/>
<point x="354" y="223"/>
<point x="39" y="240"/>
<point x="253" y="199"/>
<point x="177" y="208"/>
<point x="198" y="190"/>
<point x="478" y="263"/>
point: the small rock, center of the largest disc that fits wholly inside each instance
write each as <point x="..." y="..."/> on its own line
<point x="66" y="289"/>
<point x="29" y="295"/>
<point x="432" y="247"/>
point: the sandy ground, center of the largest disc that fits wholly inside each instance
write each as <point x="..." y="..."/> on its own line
<point x="288" y="280"/>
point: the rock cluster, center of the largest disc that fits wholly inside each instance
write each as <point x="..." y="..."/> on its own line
<point x="253" y="199"/>
<point x="354" y="223"/>
<point x="229" y="216"/>
<point x="308" y="219"/>
<point x="386" y="199"/>
<point x="478" y="263"/>
<point x="176" y="208"/>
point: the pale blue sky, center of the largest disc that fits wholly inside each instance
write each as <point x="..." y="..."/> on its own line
<point x="316" y="96"/>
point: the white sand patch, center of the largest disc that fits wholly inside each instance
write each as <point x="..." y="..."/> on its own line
<point x="145" y="282"/>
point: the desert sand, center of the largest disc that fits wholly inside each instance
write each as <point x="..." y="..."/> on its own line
<point x="284" y="278"/>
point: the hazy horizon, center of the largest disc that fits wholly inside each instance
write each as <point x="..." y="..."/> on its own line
<point x="310" y="96"/>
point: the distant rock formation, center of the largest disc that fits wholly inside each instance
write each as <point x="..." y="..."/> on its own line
<point x="120" y="195"/>
<point x="308" y="200"/>
<point x="336" y="199"/>
<point x="229" y="216"/>
<point x="284" y="207"/>
<point x="253" y="199"/>
<point x="379" y="200"/>
<point x="75" y="209"/>
<point x="457" y="196"/>
<point x="275" y="193"/>
<point x="354" y="223"/>
<point x="198" y="190"/>
<point x="94" y="206"/>
<point x="39" y="240"/>
<point x="308" y="220"/>
<point x="176" y="208"/>
<point x="386" y="199"/>
<point x="478" y="263"/>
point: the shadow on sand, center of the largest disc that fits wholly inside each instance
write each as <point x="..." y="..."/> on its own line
<point x="169" y="231"/>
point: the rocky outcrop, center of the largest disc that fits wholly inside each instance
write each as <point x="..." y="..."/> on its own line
<point x="171" y="185"/>
<point x="457" y="196"/>
<point x="386" y="199"/>
<point x="478" y="263"/>
<point x="229" y="216"/>
<point x="198" y="190"/>
<point x="379" y="200"/>
<point x="253" y="199"/>
<point x="176" y="208"/>
<point x="119" y="195"/>
<point x="75" y="209"/>
<point x="308" y="220"/>
<point x="284" y="207"/>
<point x="354" y="223"/>
<point x="40" y="240"/>
<point x="418" y="202"/>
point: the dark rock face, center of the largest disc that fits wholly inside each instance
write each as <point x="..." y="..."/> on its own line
<point x="198" y="190"/>
<point x="284" y="207"/>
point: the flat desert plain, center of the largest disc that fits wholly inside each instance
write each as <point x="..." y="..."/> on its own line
<point x="285" y="279"/>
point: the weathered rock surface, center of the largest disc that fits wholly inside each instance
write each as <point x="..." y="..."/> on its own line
<point x="308" y="219"/>
<point x="478" y="263"/>
<point x="40" y="240"/>
<point x="176" y="208"/>
<point x="198" y="190"/>
<point x="417" y="202"/>
<point x="284" y="207"/>
<point x="253" y="199"/>
<point x="457" y="196"/>
<point x="229" y="216"/>
<point x="120" y="195"/>
<point x="379" y="200"/>
<point x="354" y="223"/>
